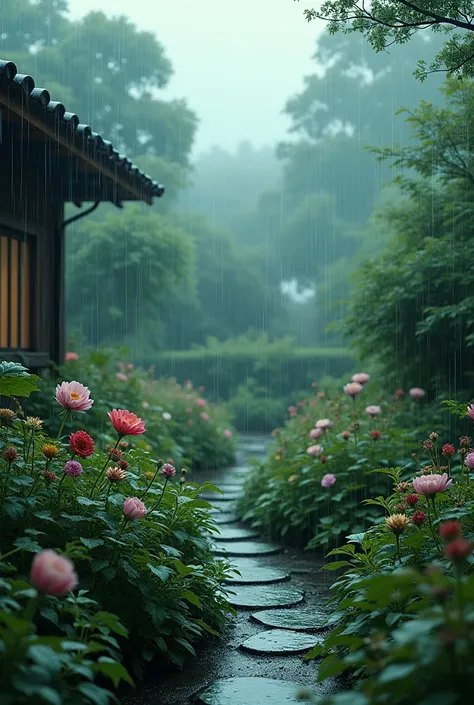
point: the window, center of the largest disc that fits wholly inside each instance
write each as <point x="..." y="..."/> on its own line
<point x="15" y="292"/>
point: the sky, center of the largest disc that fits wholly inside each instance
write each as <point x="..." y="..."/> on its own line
<point x="236" y="63"/>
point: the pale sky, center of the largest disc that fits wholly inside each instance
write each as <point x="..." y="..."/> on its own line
<point x="236" y="63"/>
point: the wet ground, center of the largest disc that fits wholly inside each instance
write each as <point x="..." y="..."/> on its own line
<point x="248" y="649"/>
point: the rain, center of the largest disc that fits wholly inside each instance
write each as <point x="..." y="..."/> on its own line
<point x="236" y="352"/>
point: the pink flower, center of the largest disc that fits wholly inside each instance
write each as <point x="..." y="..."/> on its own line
<point x="73" y="468"/>
<point x="71" y="357"/>
<point x="133" y="508"/>
<point x="353" y="389"/>
<point x="328" y="480"/>
<point x="361" y="377"/>
<point x="126" y="423"/>
<point x="201" y="403"/>
<point x="168" y="470"/>
<point x="315" y="433"/>
<point x="314" y="450"/>
<point x="469" y="460"/>
<point x="470" y="411"/>
<point x="373" y="410"/>
<point x="73" y="396"/>
<point x="52" y="573"/>
<point x="416" y="393"/>
<point x="430" y="485"/>
<point x="204" y="416"/>
<point x="121" y="376"/>
<point x="227" y="433"/>
<point x="324" y="424"/>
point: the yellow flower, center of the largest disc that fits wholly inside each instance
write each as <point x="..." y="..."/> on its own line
<point x="397" y="522"/>
<point x="277" y="457"/>
<point x="292" y="478"/>
<point x="7" y="415"/>
<point x="149" y="475"/>
<point x="50" y="451"/>
<point x="33" y="423"/>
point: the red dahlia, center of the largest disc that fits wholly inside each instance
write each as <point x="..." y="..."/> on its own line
<point x="418" y="517"/>
<point x="448" y="449"/>
<point x="450" y="530"/>
<point x="81" y="444"/>
<point x="411" y="499"/>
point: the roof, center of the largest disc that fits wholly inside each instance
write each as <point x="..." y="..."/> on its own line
<point x="118" y="179"/>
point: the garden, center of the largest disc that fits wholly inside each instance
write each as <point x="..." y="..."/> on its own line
<point x="104" y="558"/>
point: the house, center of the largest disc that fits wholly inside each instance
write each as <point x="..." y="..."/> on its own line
<point x="47" y="158"/>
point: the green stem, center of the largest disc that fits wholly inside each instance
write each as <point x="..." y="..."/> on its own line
<point x="433" y="533"/>
<point x="10" y="553"/>
<point x="59" y="486"/>
<point x="61" y="428"/>
<point x="158" y="468"/>
<point x="155" y="506"/>
<point x="397" y="539"/>
<point x="101" y="472"/>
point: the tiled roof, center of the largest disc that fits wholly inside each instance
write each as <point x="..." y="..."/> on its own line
<point x="18" y="93"/>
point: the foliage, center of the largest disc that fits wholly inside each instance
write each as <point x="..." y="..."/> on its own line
<point x="388" y="22"/>
<point x="16" y="381"/>
<point x="254" y="410"/>
<point x="162" y="555"/>
<point x="171" y="411"/>
<point x="284" y="494"/>
<point x="403" y="607"/>
<point x="413" y="303"/>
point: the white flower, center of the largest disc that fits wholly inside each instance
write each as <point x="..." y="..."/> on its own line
<point x="166" y="416"/>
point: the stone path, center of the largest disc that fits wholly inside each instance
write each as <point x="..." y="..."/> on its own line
<point x="279" y="596"/>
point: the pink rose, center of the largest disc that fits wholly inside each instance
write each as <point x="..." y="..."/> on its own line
<point x="361" y="377"/>
<point x="470" y="411"/>
<point x="201" y="403"/>
<point x="121" y="376"/>
<point x="133" y="508"/>
<point x="73" y="396"/>
<point x="373" y="410"/>
<point x="469" y="460"/>
<point x="52" y="573"/>
<point x="328" y="480"/>
<point x="315" y="433"/>
<point x="71" y="357"/>
<point x="227" y="433"/>
<point x="416" y="393"/>
<point x="353" y="389"/>
<point x="314" y="450"/>
<point x="324" y="424"/>
<point x="204" y="416"/>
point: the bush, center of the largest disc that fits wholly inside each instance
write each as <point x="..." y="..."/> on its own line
<point x="278" y="367"/>
<point x="134" y="527"/>
<point x="404" y="608"/>
<point x="172" y="412"/>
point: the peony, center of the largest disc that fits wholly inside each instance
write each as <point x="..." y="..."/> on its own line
<point x="73" y="396"/>
<point x="469" y="460"/>
<point x="204" y="416"/>
<point x="71" y="357"/>
<point x="81" y="444"/>
<point x="73" y="468"/>
<point x="314" y="450"/>
<point x="52" y="573"/>
<point x="470" y="411"/>
<point x="227" y="433"/>
<point x="353" y="389"/>
<point x="328" y="480"/>
<point x="416" y="393"/>
<point x="361" y="377"/>
<point x="315" y="433"/>
<point x="133" y="508"/>
<point x="126" y="423"/>
<point x="373" y="410"/>
<point x="429" y="485"/>
<point x="324" y="424"/>
<point x="166" y="416"/>
<point x="201" y="403"/>
<point x="168" y="471"/>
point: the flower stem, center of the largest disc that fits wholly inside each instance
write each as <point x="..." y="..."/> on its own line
<point x="101" y="472"/>
<point x="10" y="553"/>
<point x="61" y="428"/>
<point x="158" y="468"/>
<point x="157" y="504"/>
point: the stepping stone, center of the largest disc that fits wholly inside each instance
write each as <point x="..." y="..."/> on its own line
<point x="255" y="575"/>
<point x="260" y="596"/>
<point x="225" y="518"/>
<point x="235" y="533"/>
<point x="230" y="487"/>
<point x="249" y="691"/>
<point x="299" y="620"/>
<point x="280" y="641"/>
<point x="222" y="505"/>
<point x="227" y="497"/>
<point x="245" y="548"/>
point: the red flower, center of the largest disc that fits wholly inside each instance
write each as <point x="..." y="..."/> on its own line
<point x="458" y="550"/>
<point x="375" y="435"/>
<point x="450" y="530"/>
<point x="418" y="517"/>
<point x="448" y="449"/>
<point x="114" y="453"/>
<point x="81" y="444"/>
<point x="10" y="454"/>
<point x="411" y="499"/>
<point x="123" y="465"/>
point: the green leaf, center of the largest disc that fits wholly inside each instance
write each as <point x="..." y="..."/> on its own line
<point x="27" y="544"/>
<point x="18" y="386"/>
<point x="91" y="543"/>
<point x="113" y="670"/>
<point x="111" y="621"/>
<point x="192" y="598"/>
<point x="396" y="671"/>
<point x="161" y="571"/>
<point x="96" y="695"/>
<point x="45" y="657"/>
<point x="336" y="565"/>
<point x="206" y="627"/>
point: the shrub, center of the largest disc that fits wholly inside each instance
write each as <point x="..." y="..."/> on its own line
<point x="173" y="432"/>
<point x="134" y="526"/>
<point x="403" y="608"/>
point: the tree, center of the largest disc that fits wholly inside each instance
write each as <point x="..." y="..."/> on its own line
<point x="413" y="309"/>
<point x="388" y="22"/>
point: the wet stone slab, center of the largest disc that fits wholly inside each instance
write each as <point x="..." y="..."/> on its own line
<point x="249" y="691"/>
<point x="216" y="496"/>
<point x="280" y="641"/>
<point x="255" y="575"/>
<point x="235" y="533"/>
<point x="300" y="619"/>
<point x="225" y="518"/>
<point x="245" y="548"/>
<point x="261" y="596"/>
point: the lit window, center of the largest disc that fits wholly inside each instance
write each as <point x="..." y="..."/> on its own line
<point x="15" y="293"/>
